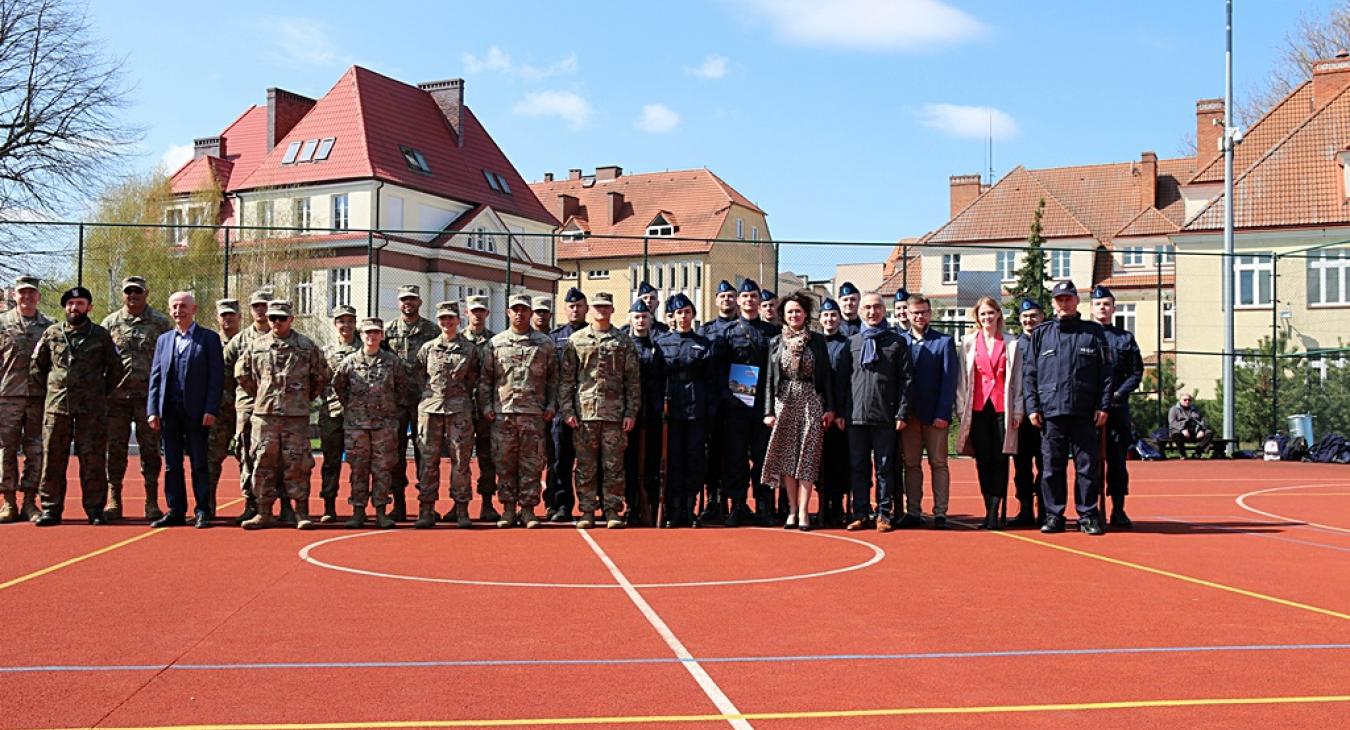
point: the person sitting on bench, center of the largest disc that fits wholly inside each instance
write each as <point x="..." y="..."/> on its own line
<point x="1186" y="424"/>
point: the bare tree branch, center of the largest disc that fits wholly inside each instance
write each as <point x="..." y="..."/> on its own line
<point x="1313" y="40"/>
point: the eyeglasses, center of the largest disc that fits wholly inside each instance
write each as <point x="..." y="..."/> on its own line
<point x="277" y="318"/>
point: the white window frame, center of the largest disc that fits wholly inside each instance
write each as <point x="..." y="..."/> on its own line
<point x="1169" y="321"/>
<point x="1006" y="263"/>
<point x="1126" y="317"/>
<point x="174" y="219"/>
<point x="1132" y="256"/>
<point x="1061" y="265"/>
<point x="597" y="274"/>
<point x="1257" y="269"/>
<point x="266" y="219"/>
<point x="740" y="229"/>
<point x="1323" y="268"/>
<point x="661" y="231"/>
<point x="951" y="267"/>
<point x="1164" y="254"/>
<point x="302" y="215"/>
<point x="754" y="233"/>
<point x="339" y="287"/>
<point x="342" y="212"/>
<point x="304" y="293"/>
<point x="574" y="236"/>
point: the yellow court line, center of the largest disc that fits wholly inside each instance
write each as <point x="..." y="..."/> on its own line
<point x="1180" y="577"/>
<point x="81" y="558"/>
<point x="803" y="715"/>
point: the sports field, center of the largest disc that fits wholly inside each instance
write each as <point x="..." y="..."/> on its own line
<point x="1228" y="605"/>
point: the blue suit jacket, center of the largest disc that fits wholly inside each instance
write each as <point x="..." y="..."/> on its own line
<point x="937" y="372"/>
<point x="203" y="382"/>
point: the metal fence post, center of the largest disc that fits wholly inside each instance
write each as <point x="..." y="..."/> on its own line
<point x="646" y="275"/>
<point x="370" y="272"/>
<point x="1274" y="342"/>
<point x="506" y="294"/>
<point x="225" y="287"/>
<point x="1158" y="353"/>
<point x="79" y="264"/>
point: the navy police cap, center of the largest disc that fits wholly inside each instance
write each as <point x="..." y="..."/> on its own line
<point x="1065" y="289"/>
<point x="680" y="301"/>
<point x="1029" y="304"/>
<point x="645" y="288"/>
<point x="749" y="285"/>
<point x="1101" y="292"/>
<point x="901" y="295"/>
<point x="574" y="295"/>
<point x="829" y="305"/>
<point x="725" y="286"/>
<point x="768" y="295"/>
<point x="639" y="306"/>
<point x="847" y="289"/>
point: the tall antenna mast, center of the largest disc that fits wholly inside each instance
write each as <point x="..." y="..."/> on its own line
<point x="991" y="149"/>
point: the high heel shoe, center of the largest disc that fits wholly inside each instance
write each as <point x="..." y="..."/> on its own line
<point x="790" y="524"/>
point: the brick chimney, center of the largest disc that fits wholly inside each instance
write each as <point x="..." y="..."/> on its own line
<point x="1330" y="76"/>
<point x="449" y="96"/>
<point x="615" y="205"/>
<point x="574" y="173"/>
<point x="1208" y="129"/>
<point x="1148" y="179"/>
<point x="548" y="177"/>
<point x="965" y="189"/>
<point x="285" y="109"/>
<point x="608" y="172"/>
<point x="208" y="147"/>
<point x="567" y="206"/>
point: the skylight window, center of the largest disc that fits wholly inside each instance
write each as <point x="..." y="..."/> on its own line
<point x="307" y="151"/>
<point x="492" y="180"/>
<point x="290" y="153"/>
<point x="325" y="148"/>
<point x="414" y="159"/>
<point x="501" y="183"/>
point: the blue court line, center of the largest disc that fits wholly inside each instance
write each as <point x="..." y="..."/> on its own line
<point x="912" y="656"/>
<point x="1243" y="531"/>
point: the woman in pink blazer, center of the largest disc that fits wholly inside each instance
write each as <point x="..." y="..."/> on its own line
<point x="989" y="405"/>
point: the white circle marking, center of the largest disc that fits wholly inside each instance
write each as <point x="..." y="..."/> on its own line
<point x="1242" y="502"/>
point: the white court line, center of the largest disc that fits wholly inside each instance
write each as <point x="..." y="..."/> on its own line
<point x="1242" y="502"/>
<point x="719" y="698"/>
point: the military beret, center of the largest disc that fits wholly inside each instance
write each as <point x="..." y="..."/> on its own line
<point x="447" y="309"/>
<point x="749" y="285"/>
<point x="639" y="306"/>
<point x="477" y="302"/>
<point x="829" y="305"/>
<point x="134" y="282"/>
<point x="261" y="296"/>
<point x="542" y="304"/>
<point x="227" y="306"/>
<point x="1029" y="304"/>
<point x="574" y="295"/>
<point x="343" y="310"/>
<point x="645" y="288"/>
<point x="372" y="323"/>
<point x="26" y="282"/>
<point x="847" y="289"/>
<point x="602" y="299"/>
<point x="76" y="292"/>
<point x="409" y="290"/>
<point x="725" y="286"/>
<point x="901" y="294"/>
<point x="768" y="295"/>
<point x="1065" y="288"/>
<point x="519" y="300"/>
<point x="1101" y="292"/>
<point x="679" y="301"/>
<point x="279" y="308"/>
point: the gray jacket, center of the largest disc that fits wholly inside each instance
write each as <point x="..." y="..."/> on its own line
<point x="879" y="394"/>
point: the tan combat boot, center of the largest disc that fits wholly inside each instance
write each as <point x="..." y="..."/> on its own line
<point x="587" y="521"/>
<point x="462" y="520"/>
<point x="508" y="518"/>
<point x="358" y="519"/>
<point x="9" y="509"/>
<point x="302" y="519"/>
<point x="382" y="520"/>
<point x="260" y="521"/>
<point x="152" y="510"/>
<point x="30" y="508"/>
<point x="612" y="519"/>
<point x="114" y="509"/>
<point x="529" y="518"/>
<point x="426" y="517"/>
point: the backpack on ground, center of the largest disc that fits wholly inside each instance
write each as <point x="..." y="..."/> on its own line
<point x="1147" y="450"/>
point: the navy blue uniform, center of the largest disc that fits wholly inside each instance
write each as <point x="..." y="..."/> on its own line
<point x="1027" y="465"/>
<point x="834" y="465"/>
<point x="851" y="327"/>
<point x="692" y="391"/>
<point x="642" y="468"/>
<point x="746" y="342"/>
<point x="1066" y="377"/>
<point x="717" y="496"/>
<point x="558" y="494"/>
<point x="1127" y="371"/>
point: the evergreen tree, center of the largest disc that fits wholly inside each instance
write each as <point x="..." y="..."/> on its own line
<point x="1030" y="281"/>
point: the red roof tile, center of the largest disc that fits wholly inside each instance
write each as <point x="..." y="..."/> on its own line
<point x="1269" y="129"/>
<point x="1149" y="222"/>
<point x="201" y="174"/>
<point x="1005" y="211"/>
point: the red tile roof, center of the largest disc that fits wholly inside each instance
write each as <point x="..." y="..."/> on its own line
<point x="1269" y="129"/>
<point x="895" y="276"/>
<point x="1005" y="211"/>
<point x="1149" y="222"/>
<point x="200" y="174"/>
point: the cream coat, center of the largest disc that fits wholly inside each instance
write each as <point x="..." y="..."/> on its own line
<point x="1012" y="394"/>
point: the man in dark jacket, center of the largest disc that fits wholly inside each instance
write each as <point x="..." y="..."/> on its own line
<point x="745" y="343"/>
<point x="642" y="458"/>
<point x="718" y="504"/>
<point x="875" y="409"/>
<point x="1027" y="465"/>
<point x="1066" y="384"/>
<point x="834" y="467"/>
<point x="1127" y="371"/>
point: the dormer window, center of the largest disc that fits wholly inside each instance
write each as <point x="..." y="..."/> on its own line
<point x="660" y="227"/>
<point x="414" y="159"/>
<point x="573" y="236"/>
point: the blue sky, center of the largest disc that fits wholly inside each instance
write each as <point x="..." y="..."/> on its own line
<point x="843" y="123"/>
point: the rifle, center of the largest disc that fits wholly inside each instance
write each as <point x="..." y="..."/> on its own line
<point x="661" y="509"/>
<point x="644" y="505"/>
<point x="1101" y="455"/>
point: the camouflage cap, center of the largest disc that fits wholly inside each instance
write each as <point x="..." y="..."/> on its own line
<point x="477" y="302"/>
<point x="134" y="282"/>
<point x="343" y="310"/>
<point x="520" y="300"/>
<point x="372" y="323"/>
<point x="227" y="306"/>
<point x="26" y="282"/>
<point x="279" y="308"/>
<point x="542" y="304"/>
<point x="447" y="309"/>
<point x="409" y="290"/>
<point x="261" y="296"/>
<point x="602" y="298"/>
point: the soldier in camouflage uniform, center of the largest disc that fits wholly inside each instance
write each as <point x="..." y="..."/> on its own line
<point x="134" y="329"/>
<point x="243" y="402"/>
<point x="331" y="440"/>
<point x="405" y="337"/>
<point x="369" y="385"/>
<point x="449" y="367"/>
<point x="20" y="402"/>
<point x="599" y="395"/>
<point x="478" y="333"/>
<point x="283" y="371"/>
<point x="78" y="365"/>
<point x="222" y="432"/>
<point x="518" y="393"/>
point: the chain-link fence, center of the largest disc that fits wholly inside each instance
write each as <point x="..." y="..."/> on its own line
<point x="1291" y="314"/>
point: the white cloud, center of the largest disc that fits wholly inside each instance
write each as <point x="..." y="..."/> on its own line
<point x="658" y="119"/>
<point x="968" y="121"/>
<point x="874" y="25"/>
<point x="300" y="42"/>
<point x="713" y="67"/>
<point x="566" y="105"/>
<point x="498" y="61"/>
<point x="176" y="156"/>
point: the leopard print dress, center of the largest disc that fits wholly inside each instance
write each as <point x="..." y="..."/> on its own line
<point x="798" y="438"/>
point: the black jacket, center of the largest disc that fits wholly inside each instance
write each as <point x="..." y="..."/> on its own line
<point x="822" y="377"/>
<point x="881" y="393"/>
<point x="1067" y="369"/>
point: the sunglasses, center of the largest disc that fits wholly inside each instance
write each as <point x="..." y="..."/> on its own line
<point x="277" y="318"/>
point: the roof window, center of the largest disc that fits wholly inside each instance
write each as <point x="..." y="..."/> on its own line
<point x="414" y="159"/>
<point x="497" y="182"/>
<point x="308" y="150"/>
<point x="290" y="153"/>
<point x="325" y="148"/>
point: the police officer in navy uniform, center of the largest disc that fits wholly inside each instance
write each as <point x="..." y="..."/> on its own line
<point x="746" y="342"/>
<point x="849" y="299"/>
<point x="559" y="497"/>
<point x="642" y="457"/>
<point x="647" y="293"/>
<point x="900" y="311"/>
<point x="1066" y="381"/>
<point x="718" y="505"/>
<point x="1127" y="372"/>
<point x="834" y="466"/>
<point x="768" y="307"/>
<point x="1027" y="469"/>
<point x="693" y="384"/>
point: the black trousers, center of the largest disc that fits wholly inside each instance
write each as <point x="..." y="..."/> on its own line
<point x="1068" y="437"/>
<point x="746" y="439"/>
<point x="1119" y="438"/>
<point x="716" y="460"/>
<point x="872" y="450"/>
<point x="182" y="437"/>
<point x="686" y="459"/>
<point x="563" y="459"/>
<point x="991" y="464"/>
<point x="642" y="471"/>
<point x="835" y="470"/>
<point x="1027" y="465"/>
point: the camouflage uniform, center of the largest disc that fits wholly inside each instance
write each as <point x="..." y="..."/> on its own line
<point x="134" y="336"/>
<point x="369" y="389"/>
<point x="243" y="406"/>
<point x="331" y="440"/>
<point x="80" y="367"/>
<point x="600" y="388"/>
<point x="405" y="339"/>
<point x="445" y="414"/>
<point x="20" y="406"/>
<point x="222" y="432"/>
<point x="518" y="382"/>
<point x="482" y="430"/>
<point x="282" y="374"/>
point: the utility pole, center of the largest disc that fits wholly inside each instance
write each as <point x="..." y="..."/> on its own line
<point x="1229" y="407"/>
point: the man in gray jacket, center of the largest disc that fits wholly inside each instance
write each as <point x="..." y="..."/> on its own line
<point x="1186" y="424"/>
<point x="876" y="409"/>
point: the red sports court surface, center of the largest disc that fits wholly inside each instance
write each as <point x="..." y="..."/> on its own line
<point x="1228" y="605"/>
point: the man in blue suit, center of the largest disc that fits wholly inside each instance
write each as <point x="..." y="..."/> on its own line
<point x="186" y="380"/>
